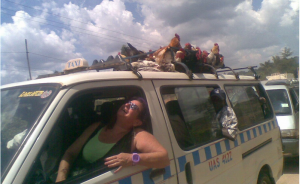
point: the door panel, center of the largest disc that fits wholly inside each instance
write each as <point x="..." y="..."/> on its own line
<point x="211" y="155"/>
<point x="132" y="174"/>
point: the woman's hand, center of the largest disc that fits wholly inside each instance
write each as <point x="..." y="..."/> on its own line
<point x="121" y="160"/>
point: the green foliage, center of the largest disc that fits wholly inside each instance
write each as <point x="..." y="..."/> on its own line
<point x="286" y="63"/>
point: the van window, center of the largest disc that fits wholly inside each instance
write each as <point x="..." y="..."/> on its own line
<point x="280" y="101"/>
<point x="249" y="103"/>
<point x="82" y="110"/>
<point x="20" y="109"/>
<point x="294" y="93"/>
<point x="191" y="114"/>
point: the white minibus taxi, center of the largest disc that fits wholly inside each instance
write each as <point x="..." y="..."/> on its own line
<point x="284" y="96"/>
<point x="41" y="118"/>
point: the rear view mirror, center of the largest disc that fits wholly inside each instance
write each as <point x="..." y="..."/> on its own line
<point x="98" y="108"/>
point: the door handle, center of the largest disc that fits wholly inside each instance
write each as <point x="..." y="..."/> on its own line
<point x="188" y="173"/>
<point x="156" y="172"/>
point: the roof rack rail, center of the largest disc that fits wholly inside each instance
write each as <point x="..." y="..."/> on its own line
<point x="251" y="68"/>
<point x="230" y="69"/>
<point x="213" y="69"/>
<point x="182" y="68"/>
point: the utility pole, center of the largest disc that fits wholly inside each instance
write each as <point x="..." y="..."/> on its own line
<point x="27" y="59"/>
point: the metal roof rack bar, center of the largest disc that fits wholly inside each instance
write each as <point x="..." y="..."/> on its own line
<point x="230" y="69"/>
<point x="251" y="68"/>
<point x="213" y="69"/>
<point x="179" y="66"/>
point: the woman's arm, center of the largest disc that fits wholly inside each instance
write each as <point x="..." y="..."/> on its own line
<point x="153" y="154"/>
<point x="73" y="151"/>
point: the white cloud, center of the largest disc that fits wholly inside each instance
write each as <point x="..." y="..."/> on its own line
<point x="245" y="36"/>
<point x="290" y="14"/>
<point x="39" y="42"/>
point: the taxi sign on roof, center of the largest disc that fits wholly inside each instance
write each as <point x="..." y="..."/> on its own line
<point x="76" y="64"/>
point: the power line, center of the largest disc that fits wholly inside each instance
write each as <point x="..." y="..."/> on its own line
<point x="35" y="54"/>
<point x="64" y="24"/>
<point x="68" y="28"/>
<point x="13" y="52"/>
<point x="35" y="69"/>
<point x="47" y="56"/>
<point x="76" y="20"/>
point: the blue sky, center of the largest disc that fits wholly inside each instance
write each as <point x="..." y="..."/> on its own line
<point x="248" y="32"/>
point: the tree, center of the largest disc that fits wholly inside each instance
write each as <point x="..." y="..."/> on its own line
<point x="286" y="63"/>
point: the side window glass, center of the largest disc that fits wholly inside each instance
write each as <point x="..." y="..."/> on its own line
<point x="294" y="98"/>
<point x="249" y="103"/>
<point x="280" y="101"/>
<point x="84" y="109"/>
<point x="191" y="114"/>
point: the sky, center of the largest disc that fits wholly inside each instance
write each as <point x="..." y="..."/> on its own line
<point x="248" y="32"/>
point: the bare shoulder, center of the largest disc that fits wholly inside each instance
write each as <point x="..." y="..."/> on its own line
<point x="145" y="142"/>
<point x="92" y="127"/>
<point x="141" y="132"/>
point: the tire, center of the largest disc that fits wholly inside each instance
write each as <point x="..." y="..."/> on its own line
<point x="264" y="178"/>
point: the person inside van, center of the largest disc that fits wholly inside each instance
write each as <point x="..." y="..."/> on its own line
<point x="120" y="143"/>
<point x="225" y="116"/>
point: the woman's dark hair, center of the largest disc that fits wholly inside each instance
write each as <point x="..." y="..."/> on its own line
<point x="144" y="114"/>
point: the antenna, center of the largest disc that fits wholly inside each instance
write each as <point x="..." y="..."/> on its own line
<point x="28" y="59"/>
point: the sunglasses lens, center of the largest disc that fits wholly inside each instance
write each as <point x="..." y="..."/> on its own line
<point x="133" y="106"/>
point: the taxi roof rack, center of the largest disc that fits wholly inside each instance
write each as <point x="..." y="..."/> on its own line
<point x="251" y="68"/>
<point x="120" y="63"/>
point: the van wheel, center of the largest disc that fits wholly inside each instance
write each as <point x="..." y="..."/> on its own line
<point x="264" y="179"/>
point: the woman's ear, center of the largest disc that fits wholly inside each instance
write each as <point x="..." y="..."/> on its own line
<point x="138" y="122"/>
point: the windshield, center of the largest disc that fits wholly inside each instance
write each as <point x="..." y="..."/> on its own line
<point x="280" y="101"/>
<point x="20" y="109"/>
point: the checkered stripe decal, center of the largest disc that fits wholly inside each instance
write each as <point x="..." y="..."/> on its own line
<point x="219" y="148"/>
<point x="202" y="155"/>
<point x="144" y="176"/>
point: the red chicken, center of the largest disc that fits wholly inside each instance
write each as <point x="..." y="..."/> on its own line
<point x="215" y="49"/>
<point x="175" y="42"/>
<point x="204" y="56"/>
<point x="199" y="53"/>
<point x="188" y="46"/>
<point x="160" y="54"/>
<point x="180" y="55"/>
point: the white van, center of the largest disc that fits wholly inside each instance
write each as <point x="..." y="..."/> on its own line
<point x="41" y="118"/>
<point x="284" y="95"/>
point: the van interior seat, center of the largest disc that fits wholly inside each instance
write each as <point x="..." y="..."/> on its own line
<point x="107" y="109"/>
<point x="173" y="108"/>
<point x="178" y="124"/>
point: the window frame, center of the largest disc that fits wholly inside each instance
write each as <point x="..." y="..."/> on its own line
<point x="265" y="95"/>
<point x="101" y="169"/>
<point x="38" y="119"/>
<point x="294" y="98"/>
<point x="164" y="104"/>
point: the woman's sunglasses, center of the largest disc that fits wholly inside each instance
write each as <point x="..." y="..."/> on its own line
<point x="133" y="106"/>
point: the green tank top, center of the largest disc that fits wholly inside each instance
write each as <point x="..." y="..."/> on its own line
<point x="95" y="149"/>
